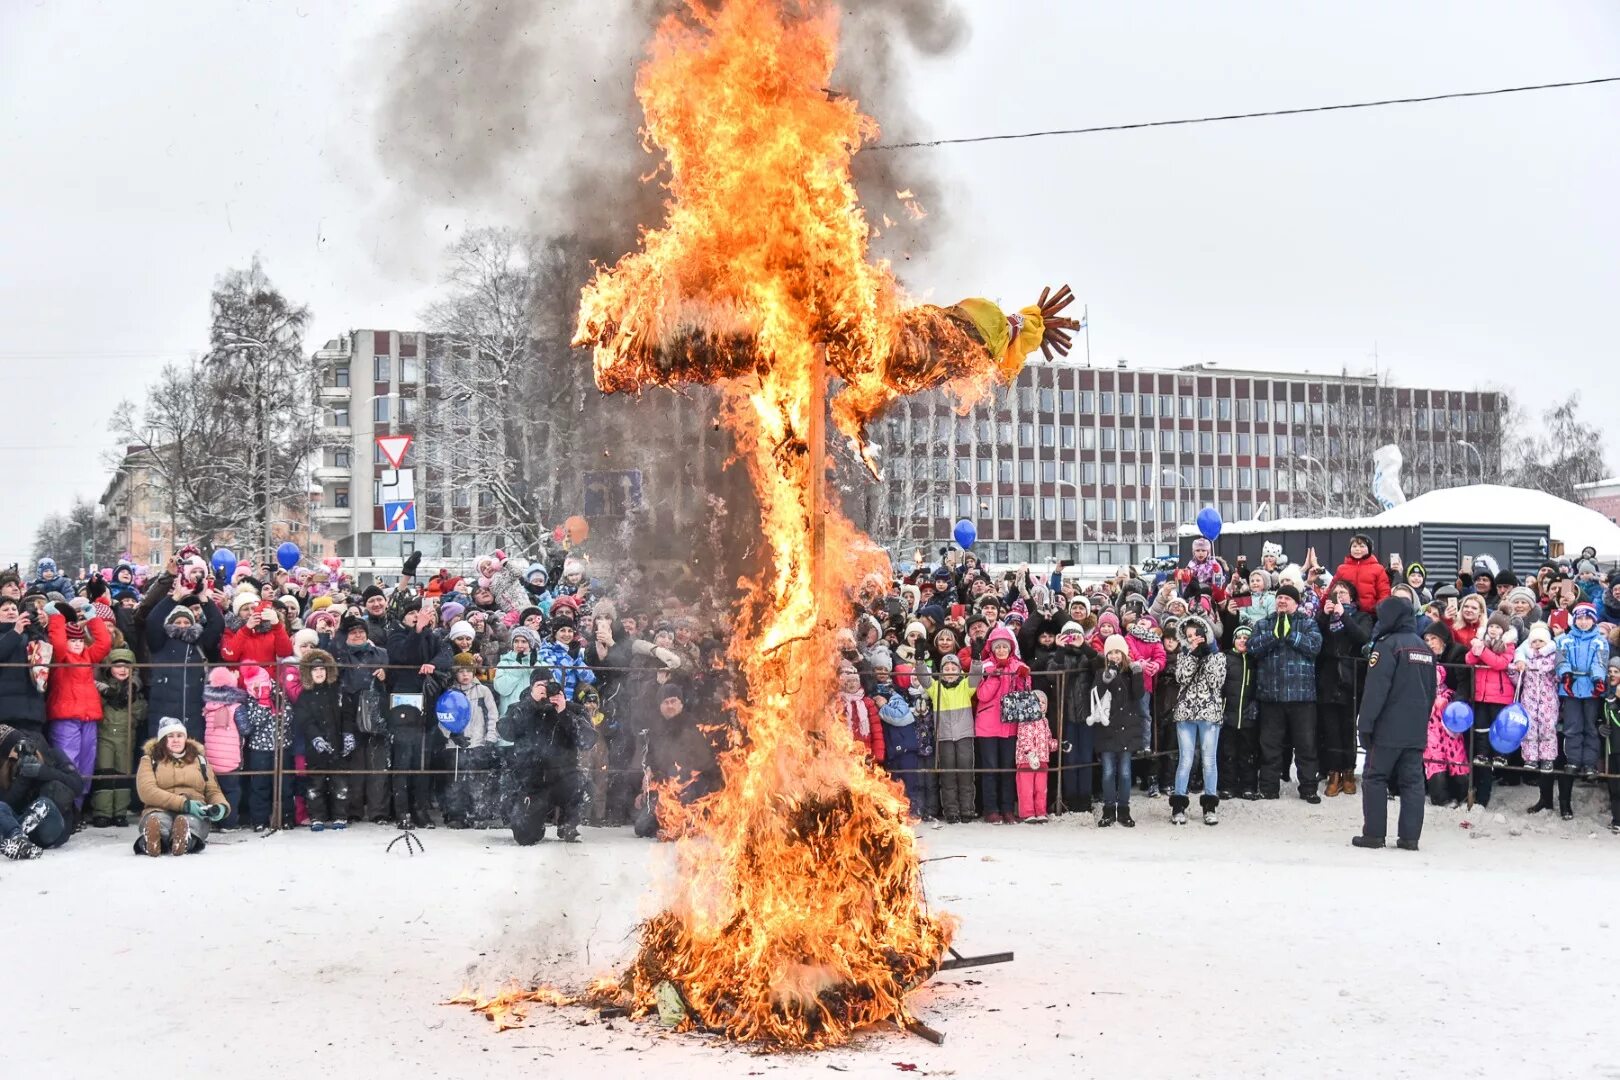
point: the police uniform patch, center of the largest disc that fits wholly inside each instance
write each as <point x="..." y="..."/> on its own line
<point x="1372" y="661"/>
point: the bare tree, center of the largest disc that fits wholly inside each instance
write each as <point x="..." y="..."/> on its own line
<point x="1559" y="452"/>
<point x="76" y="539"/>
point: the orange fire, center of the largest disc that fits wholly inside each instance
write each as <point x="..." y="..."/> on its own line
<point x="799" y="916"/>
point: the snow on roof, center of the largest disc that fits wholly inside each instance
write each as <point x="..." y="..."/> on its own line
<point x="1573" y="525"/>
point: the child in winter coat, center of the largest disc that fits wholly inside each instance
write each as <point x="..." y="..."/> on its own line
<point x="266" y="729"/>
<point x="1116" y="709"/>
<point x="900" y="745"/>
<point x="469" y="800"/>
<point x="223" y="701"/>
<point x="328" y="739"/>
<point x="1239" y="753"/>
<point x="1201" y="683"/>
<point x="950" y="697"/>
<point x="1033" y="749"/>
<point x="1001" y="671"/>
<point x="1610" y="736"/>
<point x="1534" y="663"/>
<point x="1445" y="756"/>
<point x="1490" y="655"/>
<point x="72" y="703"/>
<point x="1583" y="662"/>
<point x="858" y="711"/>
<point x="123" y="713"/>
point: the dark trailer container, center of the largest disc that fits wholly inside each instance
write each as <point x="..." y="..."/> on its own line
<point x="1440" y="547"/>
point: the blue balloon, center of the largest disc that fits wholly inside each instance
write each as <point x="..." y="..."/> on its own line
<point x="965" y="533"/>
<point x="1458" y="717"/>
<point x="1209" y="523"/>
<point x="1509" y="729"/>
<point x="453" y="711"/>
<point x="224" y="563"/>
<point x="287" y="555"/>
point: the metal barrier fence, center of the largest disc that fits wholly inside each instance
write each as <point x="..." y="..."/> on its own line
<point x="1056" y="771"/>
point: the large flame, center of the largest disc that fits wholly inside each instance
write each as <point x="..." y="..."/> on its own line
<point x="799" y="916"/>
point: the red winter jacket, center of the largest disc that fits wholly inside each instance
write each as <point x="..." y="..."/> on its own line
<point x="873" y="739"/>
<point x="1368" y="576"/>
<point x="245" y="645"/>
<point x="72" y="693"/>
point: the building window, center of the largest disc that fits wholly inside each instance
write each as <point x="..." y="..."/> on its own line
<point x="1245" y="510"/>
<point x="1422" y="419"/>
<point x="1086" y="402"/>
<point x="379" y="369"/>
<point x="1144" y="405"/>
<point x="1066" y="400"/>
<point x="340" y="416"/>
<point x="1048" y="509"/>
<point x="1004" y="469"/>
<point x="1167" y="510"/>
<point x="1243" y="409"/>
<point x="1088" y="473"/>
<point x="1245" y="443"/>
<point x="407" y="409"/>
<point x="1004" y="433"/>
<point x="1299" y="413"/>
<point x="1129" y="506"/>
<point x="1206" y="442"/>
<point x="984" y="432"/>
<point x="1088" y="438"/>
<point x="1127" y="438"/>
<point x="1026" y="471"/>
<point x="1262" y="411"/>
<point x="340" y="459"/>
<point x="1262" y="479"/>
<point x="1317" y="413"/>
<point x="379" y="408"/>
<point x="1223" y="443"/>
<point x="1068" y="508"/>
<point x="1186" y="442"/>
<point x="1147" y="509"/>
<point x="964" y="506"/>
<point x="1186" y="407"/>
<point x="1204" y="408"/>
<point x="340" y="498"/>
<point x="1206" y="478"/>
<point x="1091" y="509"/>
<point x="1066" y="471"/>
<point x="1107" y="438"/>
<point x="340" y="375"/>
<point x="1048" y="435"/>
<point x="982" y="468"/>
<point x="1167" y="440"/>
<point x="1026" y="398"/>
<point x="1004" y="508"/>
<point x="408" y="370"/>
<point x="1066" y="436"/>
<point x="1110" y="474"/>
<point x="460" y="498"/>
<point x="1245" y="478"/>
<point x="1225" y="477"/>
<point x="1026" y="508"/>
<point x="1262" y="445"/>
<point x="1167" y="406"/>
<point x="1127" y="404"/>
<point x="1046" y="399"/>
<point x="1223" y="409"/>
<point x="1110" y="510"/>
<point x="1048" y="472"/>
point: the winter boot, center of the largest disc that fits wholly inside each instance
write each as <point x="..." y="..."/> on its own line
<point x="152" y="836"/>
<point x="1107" y="818"/>
<point x="1370" y="842"/>
<point x="1125" y="816"/>
<point x="1178" y="809"/>
<point x="35" y="816"/>
<point x="1407" y="845"/>
<point x="19" y="847"/>
<point x="180" y="838"/>
<point x="1347" y="782"/>
<point x="1208" y="803"/>
<point x="1332" y="785"/>
<point x="568" y="834"/>
<point x="317" y="826"/>
<point x="340" y="823"/>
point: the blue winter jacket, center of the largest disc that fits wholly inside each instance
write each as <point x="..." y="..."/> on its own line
<point x="568" y="666"/>
<point x="1286" y="664"/>
<point x="1583" y="654"/>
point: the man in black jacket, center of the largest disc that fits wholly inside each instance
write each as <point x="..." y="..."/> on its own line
<point x="39" y="789"/>
<point x="1346" y="631"/>
<point x="362" y="666"/>
<point x="1394" y="724"/>
<point x="548" y="736"/>
<point x="413" y="649"/>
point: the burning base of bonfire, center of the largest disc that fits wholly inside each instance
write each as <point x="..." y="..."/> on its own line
<point x="798" y="914"/>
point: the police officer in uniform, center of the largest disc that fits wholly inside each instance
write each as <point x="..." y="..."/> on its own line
<point x="1394" y="725"/>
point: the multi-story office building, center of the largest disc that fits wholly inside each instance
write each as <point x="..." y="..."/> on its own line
<point x="1100" y="465"/>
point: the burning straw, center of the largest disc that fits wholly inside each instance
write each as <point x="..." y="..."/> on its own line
<point x="799" y="915"/>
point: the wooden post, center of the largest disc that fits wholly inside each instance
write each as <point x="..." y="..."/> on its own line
<point x="816" y="442"/>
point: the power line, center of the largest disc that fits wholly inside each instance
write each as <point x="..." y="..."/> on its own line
<point x="1242" y="116"/>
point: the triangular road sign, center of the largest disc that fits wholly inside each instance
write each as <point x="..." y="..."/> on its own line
<point x="394" y="447"/>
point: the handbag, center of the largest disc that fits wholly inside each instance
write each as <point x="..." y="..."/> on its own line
<point x="368" y="715"/>
<point x="1021" y="707"/>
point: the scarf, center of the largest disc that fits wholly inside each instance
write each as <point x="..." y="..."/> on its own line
<point x="1141" y="631"/>
<point x="855" y="712"/>
<point x="188" y="634"/>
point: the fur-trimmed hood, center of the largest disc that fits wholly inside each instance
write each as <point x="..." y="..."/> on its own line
<point x="317" y="658"/>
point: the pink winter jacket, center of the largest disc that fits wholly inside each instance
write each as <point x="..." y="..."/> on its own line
<point x="1445" y="752"/>
<point x="1493" y="683"/>
<point x="995" y="682"/>
<point x="1146" y="648"/>
<point x="222" y="739"/>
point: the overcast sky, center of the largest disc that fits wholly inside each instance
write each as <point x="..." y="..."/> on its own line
<point x="144" y="148"/>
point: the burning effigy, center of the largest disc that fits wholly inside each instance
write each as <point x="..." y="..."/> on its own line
<point x="798" y="916"/>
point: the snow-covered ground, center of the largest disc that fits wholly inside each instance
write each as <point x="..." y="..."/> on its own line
<point x="1263" y="947"/>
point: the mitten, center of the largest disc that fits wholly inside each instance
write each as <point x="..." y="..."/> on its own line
<point x="29" y="766"/>
<point x="215" y="812"/>
<point x="348" y="744"/>
<point x="1599" y="687"/>
<point x="1568" y="684"/>
<point x="321" y="745"/>
<point x="412" y="561"/>
<point x="194" y="808"/>
<point x="461" y="741"/>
